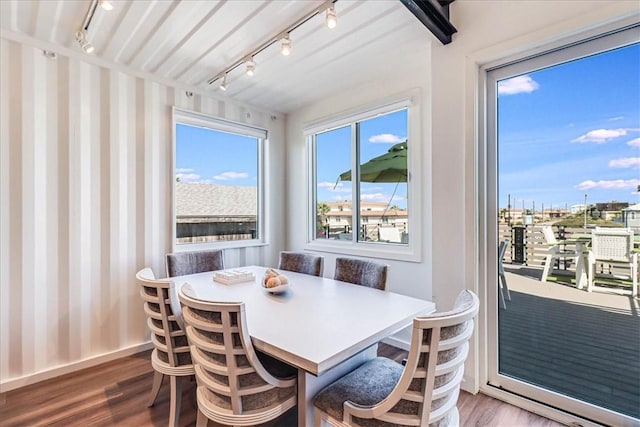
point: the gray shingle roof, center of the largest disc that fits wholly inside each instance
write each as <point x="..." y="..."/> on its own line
<point x="198" y="199"/>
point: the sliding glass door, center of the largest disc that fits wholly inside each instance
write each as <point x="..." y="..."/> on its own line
<point x="563" y="144"/>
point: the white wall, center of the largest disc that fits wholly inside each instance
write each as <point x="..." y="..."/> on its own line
<point x="85" y="202"/>
<point x="447" y="76"/>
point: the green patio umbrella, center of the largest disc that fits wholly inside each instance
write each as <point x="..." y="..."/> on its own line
<point x="388" y="167"/>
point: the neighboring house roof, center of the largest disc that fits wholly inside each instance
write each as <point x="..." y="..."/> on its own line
<point x="635" y="207"/>
<point x="199" y="199"/>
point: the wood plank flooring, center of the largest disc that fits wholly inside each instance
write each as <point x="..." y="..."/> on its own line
<point x="116" y="393"/>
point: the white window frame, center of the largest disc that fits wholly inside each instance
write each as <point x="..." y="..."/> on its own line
<point x="411" y="251"/>
<point x="192" y="118"/>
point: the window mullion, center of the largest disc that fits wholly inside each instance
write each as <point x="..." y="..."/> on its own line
<point x="355" y="183"/>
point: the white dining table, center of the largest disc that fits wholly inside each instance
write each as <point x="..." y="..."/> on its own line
<point x="323" y="327"/>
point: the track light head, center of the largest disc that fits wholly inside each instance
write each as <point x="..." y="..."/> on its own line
<point x="330" y="18"/>
<point x="286" y="45"/>
<point x="251" y="67"/>
<point x="106" y="4"/>
<point x="223" y="85"/>
<point x="81" y="38"/>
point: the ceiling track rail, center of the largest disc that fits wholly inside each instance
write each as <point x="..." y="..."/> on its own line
<point x="434" y="14"/>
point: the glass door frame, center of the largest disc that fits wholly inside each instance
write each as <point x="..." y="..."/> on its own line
<point x="537" y="399"/>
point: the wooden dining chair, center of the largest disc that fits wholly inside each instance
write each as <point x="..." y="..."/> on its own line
<point x="181" y="263"/>
<point x="423" y="392"/>
<point x="237" y="386"/>
<point x="170" y="356"/>
<point x="301" y="263"/>
<point x="365" y="273"/>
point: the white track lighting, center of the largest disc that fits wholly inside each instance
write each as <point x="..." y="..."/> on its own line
<point x="81" y="38"/>
<point x="223" y="85"/>
<point x="286" y="45"/>
<point x="330" y="19"/>
<point x="251" y="67"/>
<point x="106" y="4"/>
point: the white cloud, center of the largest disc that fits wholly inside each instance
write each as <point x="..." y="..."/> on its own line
<point x="184" y="170"/>
<point x="615" y="119"/>
<point x="626" y="162"/>
<point x="335" y="187"/>
<point x="341" y="198"/>
<point x="227" y="176"/>
<point x="617" y="184"/>
<point x="634" y="143"/>
<point x="188" y="177"/>
<point x="600" y="136"/>
<point x="375" y="197"/>
<point x="387" y="138"/>
<point x="515" y="85"/>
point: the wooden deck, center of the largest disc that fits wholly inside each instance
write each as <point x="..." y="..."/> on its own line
<point x="581" y="344"/>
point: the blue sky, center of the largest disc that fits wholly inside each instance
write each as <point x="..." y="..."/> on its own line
<point x="208" y="156"/>
<point x="333" y="153"/>
<point x="204" y="155"/>
<point x="571" y="130"/>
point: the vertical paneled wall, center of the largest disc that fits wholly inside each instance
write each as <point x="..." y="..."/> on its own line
<point x="85" y="201"/>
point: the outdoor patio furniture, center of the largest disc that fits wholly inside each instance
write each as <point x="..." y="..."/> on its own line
<point x="613" y="246"/>
<point x="389" y="234"/>
<point x="502" y="248"/>
<point x="556" y="250"/>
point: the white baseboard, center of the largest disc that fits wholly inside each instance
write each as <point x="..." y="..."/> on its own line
<point x="14" y="383"/>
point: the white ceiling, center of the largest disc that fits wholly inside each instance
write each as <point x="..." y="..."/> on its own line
<point x="191" y="41"/>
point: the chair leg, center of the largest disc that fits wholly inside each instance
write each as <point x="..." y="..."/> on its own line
<point x="504" y="304"/>
<point x="503" y="279"/>
<point x="592" y="272"/>
<point x="176" y="400"/>
<point x="157" y="382"/>
<point x="547" y="266"/>
<point x="201" y="420"/>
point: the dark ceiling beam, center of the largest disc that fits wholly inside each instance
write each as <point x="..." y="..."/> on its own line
<point x="434" y="14"/>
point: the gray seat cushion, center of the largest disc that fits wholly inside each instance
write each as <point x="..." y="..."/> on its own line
<point x="367" y="385"/>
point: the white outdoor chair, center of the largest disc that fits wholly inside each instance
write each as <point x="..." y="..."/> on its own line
<point x="613" y="246"/>
<point x="502" y="248"/>
<point x="389" y="234"/>
<point x="555" y="251"/>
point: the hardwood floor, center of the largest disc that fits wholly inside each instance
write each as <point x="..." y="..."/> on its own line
<point x="116" y="393"/>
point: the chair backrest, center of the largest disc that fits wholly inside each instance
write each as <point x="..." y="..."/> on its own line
<point x="233" y="383"/>
<point x="549" y="235"/>
<point x="365" y="273"/>
<point x="612" y="244"/>
<point x="389" y="234"/>
<point x="164" y="319"/>
<point x="428" y="389"/>
<point x="301" y="263"/>
<point x="181" y="263"/>
<point x="502" y="249"/>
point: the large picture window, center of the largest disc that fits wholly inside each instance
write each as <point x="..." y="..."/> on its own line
<point x="361" y="180"/>
<point x="217" y="182"/>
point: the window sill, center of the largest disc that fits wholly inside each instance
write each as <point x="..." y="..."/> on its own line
<point x="369" y="250"/>
<point x="230" y="244"/>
